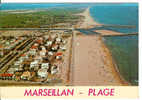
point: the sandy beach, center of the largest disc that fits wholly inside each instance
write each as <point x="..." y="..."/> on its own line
<point x="88" y="21"/>
<point x="93" y="64"/>
<point x="107" y="32"/>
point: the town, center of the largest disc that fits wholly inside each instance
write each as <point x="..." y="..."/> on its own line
<point x="40" y="58"/>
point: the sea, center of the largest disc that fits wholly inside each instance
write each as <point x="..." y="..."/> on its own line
<point x="124" y="49"/>
<point x="116" y="14"/>
<point x="27" y="6"/>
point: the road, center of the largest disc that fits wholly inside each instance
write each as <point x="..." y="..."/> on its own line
<point x="7" y="60"/>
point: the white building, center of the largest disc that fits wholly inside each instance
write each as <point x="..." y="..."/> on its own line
<point x="32" y="52"/>
<point x="50" y="53"/>
<point x="63" y="48"/>
<point x="55" y="47"/>
<point x="42" y="73"/>
<point x="48" y="43"/>
<point x="17" y="63"/>
<point x="45" y="65"/>
<point x="54" y="69"/>
<point x="42" y="53"/>
<point x="58" y="40"/>
<point x="26" y="75"/>
<point x="34" y="64"/>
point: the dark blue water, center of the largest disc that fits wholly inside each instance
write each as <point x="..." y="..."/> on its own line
<point x="116" y="14"/>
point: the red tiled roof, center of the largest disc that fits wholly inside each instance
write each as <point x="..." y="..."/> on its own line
<point x="58" y="54"/>
<point x="6" y="75"/>
<point x="1" y="46"/>
<point x="23" y="55"/>
<point x="34" y="47"/>
<point x="39" y="41"/>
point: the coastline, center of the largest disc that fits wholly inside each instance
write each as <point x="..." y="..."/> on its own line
<point x="113" y="64"/>
<point x="87" y="50"/>
<point x="91" y="59"/>
<point x="93" y="64"/>
<point x="88" y="21"/>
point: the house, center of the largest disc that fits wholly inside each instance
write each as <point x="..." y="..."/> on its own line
<point x="42" y="53"/>
<point x="17" y="63"/>
<point x="6" y="76"/>
<point x="63" y="48"/>
<point x="43" y="48"/>
<point x="34" y="64"/>
<point x="20" y="68"/>
<point x="55" y="47"/>
<point x="46" y="37"/>
<point x="23" y="57"/>
<point x="42" y="73"/>
<point x="36" y="68"/>
<point x="32" y="52"/>
<point x="15" y="69"/>
<point x="36" y="44"/>
<point x="34" y="47"/>
<point x="58" y="40"/>
<point x="48" y="43"/>
<point x="54" y="69"/>
<point x="38" y="58"/>
<point x="59" y="56"/>
<point x="64" y="42"/>
<point x="39" y="41"/>
<point x="45" y="65"/>
<point x="26" y="75"/>
<point x="11" y="70"/>
<point x="50" y="53"/>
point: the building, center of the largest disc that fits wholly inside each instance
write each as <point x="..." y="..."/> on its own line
<point x="54" y="69"/>
<point x="34" y="64"/>
<point x="42" y="73"/>
<point x="55" y="47"/>
<point x="59" y="56"/>
<point x="26" y="75"/>
<point x="45" y="65"/>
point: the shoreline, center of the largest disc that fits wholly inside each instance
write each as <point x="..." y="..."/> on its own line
<point x="88" y="21"/>
<point x="113" y="64"/>
<point x="88" y="50"/>
<point x="93" y="65"/>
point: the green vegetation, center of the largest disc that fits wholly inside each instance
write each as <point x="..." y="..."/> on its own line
<point x="37" y="18"/>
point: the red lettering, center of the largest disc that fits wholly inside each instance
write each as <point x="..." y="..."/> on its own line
<point x="28" y="93"/>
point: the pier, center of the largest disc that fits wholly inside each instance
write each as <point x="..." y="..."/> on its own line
<point x="129" y="34"/>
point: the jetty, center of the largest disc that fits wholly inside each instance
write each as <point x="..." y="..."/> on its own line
<point x="129" y="34"/>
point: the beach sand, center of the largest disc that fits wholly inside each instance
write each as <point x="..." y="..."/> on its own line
<point x="93" y="63"/>
<point x="107" y="32"/>
<point x="88" y="21"/>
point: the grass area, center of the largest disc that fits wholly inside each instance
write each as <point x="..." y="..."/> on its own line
<point x="39" y="18"/>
